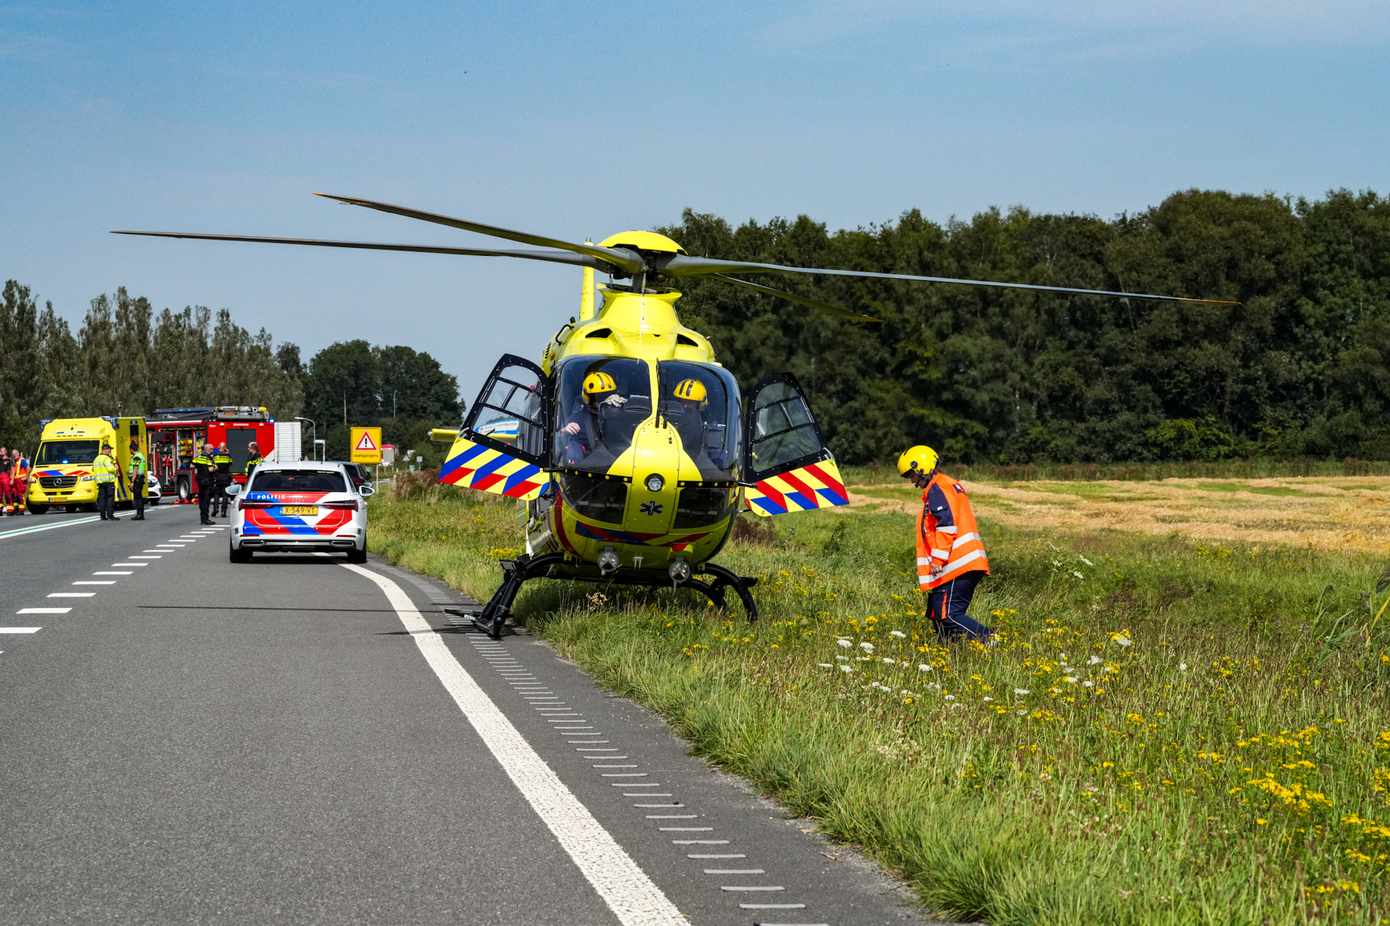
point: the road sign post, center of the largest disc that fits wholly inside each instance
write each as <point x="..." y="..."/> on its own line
<point x="366" y="446"/>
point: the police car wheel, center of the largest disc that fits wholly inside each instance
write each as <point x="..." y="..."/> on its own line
<point x="239" y="556"/>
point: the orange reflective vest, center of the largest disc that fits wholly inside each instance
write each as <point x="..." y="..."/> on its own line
<point x="948" y="539"/>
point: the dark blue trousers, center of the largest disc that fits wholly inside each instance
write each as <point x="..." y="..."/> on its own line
<point x="946" y="607"/>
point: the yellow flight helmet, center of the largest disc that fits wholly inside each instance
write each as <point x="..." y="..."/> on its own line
<point x="599" y="383"/>
<point x="920" y="458"/>
<point x="691" y="390"/>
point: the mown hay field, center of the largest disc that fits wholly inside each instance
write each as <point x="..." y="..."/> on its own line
<point x="1178" y="725"/>
<point x="1325" y="513"/>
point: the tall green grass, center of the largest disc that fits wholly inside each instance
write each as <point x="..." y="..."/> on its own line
<point x="1167" y="732"/>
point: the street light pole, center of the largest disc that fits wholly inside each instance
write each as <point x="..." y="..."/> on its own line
<point x="313" y="433"/>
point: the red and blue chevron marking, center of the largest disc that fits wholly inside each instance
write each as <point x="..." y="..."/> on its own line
<point x="775" y="500"/>
<point x="273" y="520"/>
<point x="453" y="469"/>
<point x="484" y="477"/>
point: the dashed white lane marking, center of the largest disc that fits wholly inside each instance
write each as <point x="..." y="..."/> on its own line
<point x="20" y="629"/>
<point x="710" y="856"/>
<point x="130" y="564"/>
<point x="43" y="610"/>
<point x="735" y="871"/>
<point x="72" y="594"/>
<point x="113" y="572"/>
<point x="95" y="581"/>
<point x="147" y="556"/>
<point x="699" y="842"/>
<point x="627" y="890"/>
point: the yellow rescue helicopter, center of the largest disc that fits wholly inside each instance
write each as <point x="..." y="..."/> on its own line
<point x="632" y="448"/>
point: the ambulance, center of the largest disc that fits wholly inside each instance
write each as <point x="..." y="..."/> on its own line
<point x="62" y="468"/>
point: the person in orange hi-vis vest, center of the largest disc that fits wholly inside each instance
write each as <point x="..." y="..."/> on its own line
<point x="19" y="481"/>
<point x="951" y="558"/>
<point x="5" y="481"/>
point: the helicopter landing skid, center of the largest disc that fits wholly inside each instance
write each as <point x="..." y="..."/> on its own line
<point x="516" y="572"/>
<point x="727" y="578"/>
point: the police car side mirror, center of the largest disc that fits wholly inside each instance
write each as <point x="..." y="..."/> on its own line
<point x="233" y="489"/>
<point x="366" y="491"/>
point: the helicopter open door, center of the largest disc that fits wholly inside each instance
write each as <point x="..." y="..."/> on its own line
<point x="504" y="442"/>
<point x="786" y="465"/>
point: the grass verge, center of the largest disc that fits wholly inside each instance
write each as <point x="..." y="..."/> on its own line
<point x="1168" y="732"/>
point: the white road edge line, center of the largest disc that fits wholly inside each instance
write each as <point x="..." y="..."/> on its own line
<point x="39" y="528"/>
<point x="627" y="890"/>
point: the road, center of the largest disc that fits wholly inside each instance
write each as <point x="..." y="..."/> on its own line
<point x="300" y="740"/>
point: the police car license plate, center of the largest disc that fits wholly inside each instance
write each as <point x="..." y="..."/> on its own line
<point x="300" y="509"/>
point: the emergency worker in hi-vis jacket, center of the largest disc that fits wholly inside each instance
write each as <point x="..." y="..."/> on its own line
<point x="951" y="558"/>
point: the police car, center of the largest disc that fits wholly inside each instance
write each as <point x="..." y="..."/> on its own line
<point x="299" y="507"/>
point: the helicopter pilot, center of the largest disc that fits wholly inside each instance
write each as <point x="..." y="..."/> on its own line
<point x="687" y="415"/>
<point x="584" y="430"/>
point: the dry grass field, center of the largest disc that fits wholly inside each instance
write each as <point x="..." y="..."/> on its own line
<point x="1321" y="513"/>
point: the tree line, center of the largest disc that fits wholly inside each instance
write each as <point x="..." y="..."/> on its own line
<point x="126" y="359"/>
<point x="1300" y="368"/>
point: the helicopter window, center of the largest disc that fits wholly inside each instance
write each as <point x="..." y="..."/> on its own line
<point x="708" y="425"/>
<point x="784" y="432"/>
<point x="592" y="431"/>
<point x="512" y="410"/>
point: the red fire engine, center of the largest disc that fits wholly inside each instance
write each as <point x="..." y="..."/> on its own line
<point x="176" y="435"/>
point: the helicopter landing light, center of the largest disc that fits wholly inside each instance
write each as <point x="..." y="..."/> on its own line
<point x="655" y="483"/>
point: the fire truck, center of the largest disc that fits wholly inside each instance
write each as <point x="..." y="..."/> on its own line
<point x="176" y="436"/>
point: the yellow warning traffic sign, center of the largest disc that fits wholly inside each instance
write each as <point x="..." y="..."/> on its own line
<point x="366" y="445"/>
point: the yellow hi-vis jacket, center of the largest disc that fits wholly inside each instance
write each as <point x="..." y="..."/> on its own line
<point x="948" y="539"/>
<point x="104" y="468"/>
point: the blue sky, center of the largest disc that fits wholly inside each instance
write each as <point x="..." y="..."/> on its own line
<point x="581" y="120"/>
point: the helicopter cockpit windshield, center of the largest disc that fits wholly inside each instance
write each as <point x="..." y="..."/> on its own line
<point x="599" y="402"/>
<point x="701" y="402"/>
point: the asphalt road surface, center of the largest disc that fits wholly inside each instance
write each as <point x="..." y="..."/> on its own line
<point x="183" y="740"/>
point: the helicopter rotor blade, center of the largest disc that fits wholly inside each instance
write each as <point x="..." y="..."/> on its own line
<point x="624" y="261"/>
<point x="680" y="265"/>
<point x="802" y="300"/>
<point x="549" y="256"/>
